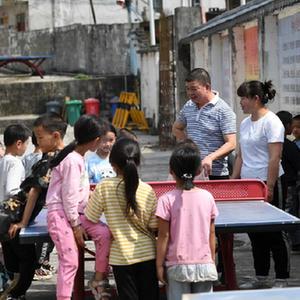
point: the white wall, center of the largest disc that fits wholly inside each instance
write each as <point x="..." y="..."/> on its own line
<point x="68" y="12"/>
<point x="270" y="59"/>
<point x="226" y="91"/>
<point x="216" y="63"/>
<point x="170" y="5"/>
<point x="238" y="69"/>
<point x="200" y="52"/>
<point x="289" y="58"/>
<point x="150" y="84"/>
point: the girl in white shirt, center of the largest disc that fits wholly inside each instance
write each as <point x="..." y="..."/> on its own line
<point x="261" y="140"/>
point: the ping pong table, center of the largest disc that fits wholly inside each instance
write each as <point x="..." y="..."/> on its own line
<point x="241" y="214"/>
<point x="33" y="62"/>
<point x="269" y="294"/>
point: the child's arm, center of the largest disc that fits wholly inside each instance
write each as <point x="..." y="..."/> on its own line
<point x="212" y="239"/>
<point x="30" y="204"/>
<point x="162" y="246"/>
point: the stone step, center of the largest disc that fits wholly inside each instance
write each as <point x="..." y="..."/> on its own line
<point x="24" y="119"/>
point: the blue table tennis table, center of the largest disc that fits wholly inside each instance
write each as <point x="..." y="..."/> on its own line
<point x="261" y="216"/>
<point x="33" y="62"/>
<point x="236" y="216"/>
<point x="268" y="294"/>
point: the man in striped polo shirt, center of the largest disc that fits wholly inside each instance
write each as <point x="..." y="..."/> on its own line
<point x="209" y="122"/>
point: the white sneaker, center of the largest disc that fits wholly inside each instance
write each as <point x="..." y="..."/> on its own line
<point x="259" y="282"/>
<point x="280" y="283"/>
<point x="42" y="274"/>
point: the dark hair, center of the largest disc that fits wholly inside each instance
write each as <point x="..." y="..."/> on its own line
<point x="285" y="117"/>
<point x="296" y="118"/>
<point x="16" y="132"/>
<point x="199" y="74"/>
<point x="126" y="155"/>
<point x="33" y="139"/>
<point x="51" y="122"/>
<point x="185" y="161"/>
<point x="126" y="133"/>
<point x="86" y="129"/>
<point x="111" y="128"/>
<point x="264" y="90"/>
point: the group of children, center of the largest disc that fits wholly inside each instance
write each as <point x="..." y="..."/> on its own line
<point x="183" y="255"/>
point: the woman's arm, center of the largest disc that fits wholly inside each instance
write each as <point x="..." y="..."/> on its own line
<point x="162" y="246"/>
<point x="236" y="173"/>
<point x="275" y="150"/>
<point x="212" y="239"/>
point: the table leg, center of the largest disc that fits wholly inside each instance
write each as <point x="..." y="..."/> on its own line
<point x="226" y="240"/>
<point x="78" y="291"/>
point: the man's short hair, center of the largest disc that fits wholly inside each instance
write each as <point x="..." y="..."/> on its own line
<point x="14" y="133"/>
<point x="199" y="74"/>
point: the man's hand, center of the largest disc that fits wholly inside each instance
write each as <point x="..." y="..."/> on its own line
<point x="207" y="165"/>
<point x="161" y="274"/>
<point x="14" y="228"/>
<point x="80" y="235"/>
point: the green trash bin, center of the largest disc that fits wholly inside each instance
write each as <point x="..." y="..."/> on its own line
<point x="73" y="111"/>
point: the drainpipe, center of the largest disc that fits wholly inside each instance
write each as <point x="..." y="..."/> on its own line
<point x="152" y="25"/>
<point x="243" y="2"/>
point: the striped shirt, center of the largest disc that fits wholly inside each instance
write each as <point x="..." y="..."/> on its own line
<point x="129" y="245"/>
<point x="206" y="126"/>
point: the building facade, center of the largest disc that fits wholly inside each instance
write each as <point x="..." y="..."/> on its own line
<point x="256" y="41"/>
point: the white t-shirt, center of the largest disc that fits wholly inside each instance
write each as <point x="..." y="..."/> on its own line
<point x="254" y="139"/>
<point x="12" y="173"/>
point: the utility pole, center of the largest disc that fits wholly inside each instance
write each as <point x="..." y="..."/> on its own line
<point x="93" y="11"/>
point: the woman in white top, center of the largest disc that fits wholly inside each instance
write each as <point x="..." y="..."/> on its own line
<point x="261" y="140"/>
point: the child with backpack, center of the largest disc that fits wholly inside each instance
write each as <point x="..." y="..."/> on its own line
<point x="22" y="258"/>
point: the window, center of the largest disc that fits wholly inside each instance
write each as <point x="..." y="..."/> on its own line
<point x="21" y="26"/>
<point x="157" y="5"/>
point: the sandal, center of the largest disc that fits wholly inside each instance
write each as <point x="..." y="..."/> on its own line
<point x="100" y="289"/>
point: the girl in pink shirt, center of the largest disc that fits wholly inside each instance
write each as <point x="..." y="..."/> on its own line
<point x="66" y="199"/>
<point x="186" y="239"/>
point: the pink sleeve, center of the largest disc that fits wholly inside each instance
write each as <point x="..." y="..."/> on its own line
<point x="163" y="208"/>
<point x="71" y="176"/>
<point x="214" y="209"/>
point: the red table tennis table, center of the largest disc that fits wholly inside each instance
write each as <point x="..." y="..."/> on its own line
<point x="33" y="62"/>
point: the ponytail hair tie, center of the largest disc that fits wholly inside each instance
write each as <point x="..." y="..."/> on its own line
<point x="129" y="159"/>
<point x="187" y="176"/>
